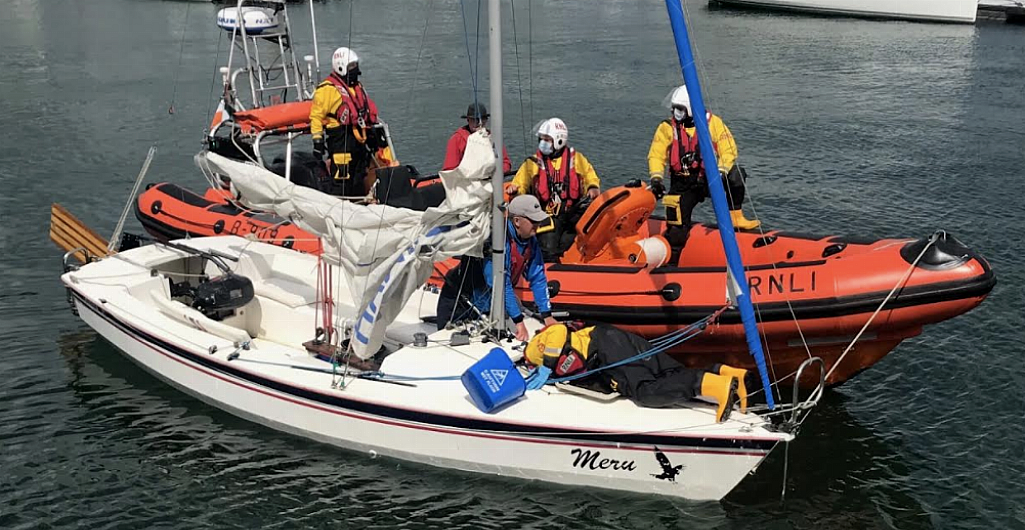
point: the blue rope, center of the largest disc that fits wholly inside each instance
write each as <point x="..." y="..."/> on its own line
<point x="392" y="377"/>
<point x="684" y="335"/>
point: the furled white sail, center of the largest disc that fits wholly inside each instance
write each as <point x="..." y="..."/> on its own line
<point x="387" y="252"/>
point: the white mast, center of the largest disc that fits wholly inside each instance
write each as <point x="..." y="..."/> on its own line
<point x="497" y="217"/>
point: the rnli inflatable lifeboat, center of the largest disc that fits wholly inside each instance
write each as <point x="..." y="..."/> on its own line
<point x="821" y="288"/>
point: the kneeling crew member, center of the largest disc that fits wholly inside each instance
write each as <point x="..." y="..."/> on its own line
<point x="467" y="289"/>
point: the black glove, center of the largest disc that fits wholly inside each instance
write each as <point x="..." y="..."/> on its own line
<point x="319" y="149"/>
<point x="658" y="188"/>
<point x="376" y="139"/>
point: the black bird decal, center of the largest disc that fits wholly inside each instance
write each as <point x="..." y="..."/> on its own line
<point x="669" y="471"/>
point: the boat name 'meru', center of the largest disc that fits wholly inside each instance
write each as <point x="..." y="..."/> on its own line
<point x="781" y="282"/>
<point x="587" y="459"/>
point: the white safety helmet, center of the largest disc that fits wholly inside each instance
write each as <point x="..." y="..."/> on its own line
<point x="342" y="60"/>
<point x="679" y="97"/>
<point x="555" y="128"/>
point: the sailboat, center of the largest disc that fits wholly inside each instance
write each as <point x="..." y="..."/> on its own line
<point x="335" y="347"/>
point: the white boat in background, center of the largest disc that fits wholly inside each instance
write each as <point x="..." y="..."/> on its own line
<point x="959" y="11"/>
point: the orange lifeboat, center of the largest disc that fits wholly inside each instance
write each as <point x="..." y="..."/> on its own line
<point x="824" y="287"/>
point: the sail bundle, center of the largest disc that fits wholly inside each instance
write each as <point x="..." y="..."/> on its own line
<point x="387" y="253"/>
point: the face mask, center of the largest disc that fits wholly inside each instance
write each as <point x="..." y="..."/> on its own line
<point x="352" y="76"/>
<point x="545" y="147"/>
<point x="679" y="114"/>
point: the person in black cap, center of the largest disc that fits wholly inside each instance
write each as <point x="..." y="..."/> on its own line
<point x="476" y="117"/>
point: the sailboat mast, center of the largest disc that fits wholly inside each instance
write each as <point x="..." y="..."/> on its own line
<point x="742" y="295"/>
<point x="497" y="217"/>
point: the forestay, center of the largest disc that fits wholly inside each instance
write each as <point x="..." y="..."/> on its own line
<point x="387" y="252"/>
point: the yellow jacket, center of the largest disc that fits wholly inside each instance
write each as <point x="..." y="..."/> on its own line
<point x="527" y="174"/>
<point x="326" y="100"/>
<point x="722" y="139"/>
<point x="546" y="347"/>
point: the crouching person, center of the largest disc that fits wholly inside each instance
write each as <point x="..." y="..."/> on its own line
<point x="657" y="381"/>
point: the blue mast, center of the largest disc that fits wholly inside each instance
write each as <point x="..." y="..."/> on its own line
<point x="718" y="194"/>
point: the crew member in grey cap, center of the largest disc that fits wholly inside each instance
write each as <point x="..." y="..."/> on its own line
<point x="467" y="290"/>
<point x="476" y="117"/>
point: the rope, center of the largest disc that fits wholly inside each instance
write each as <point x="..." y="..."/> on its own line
<point x="900" y="282"/>
<point x="519" y="80"/>
<point x="181" y="52"/>
<point x="419" y="55"/>
<point x="470" y="57"/>
<point x="213" y="80"/>
<point x="392" y="377"/>
<point x="530" y="57"/>
<point x="659" y="344"/>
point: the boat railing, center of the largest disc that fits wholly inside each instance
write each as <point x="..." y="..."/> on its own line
<point x="797" y="406"/>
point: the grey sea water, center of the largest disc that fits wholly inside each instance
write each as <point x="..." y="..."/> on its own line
<point x="847" y="126"/>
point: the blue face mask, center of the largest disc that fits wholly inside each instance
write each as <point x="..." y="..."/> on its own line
<point x="545" y="147"/>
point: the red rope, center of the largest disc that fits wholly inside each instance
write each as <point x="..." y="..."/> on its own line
<point x="325" y="286"/>
<point x="718" y="312"/>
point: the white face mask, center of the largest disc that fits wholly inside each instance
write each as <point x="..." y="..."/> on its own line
<point x="679" y="114"/>
<point x="545" y="147"/>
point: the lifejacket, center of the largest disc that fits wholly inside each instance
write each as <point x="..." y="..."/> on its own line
<point x="358" y="110"/>
<point x="518" y="261"/>
<point x="568" y="361"/>
<point x="565" y="180"/>
<point x="683" y="145"/>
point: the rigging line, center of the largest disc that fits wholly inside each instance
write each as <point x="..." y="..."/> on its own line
<point x="530" y="58"/>
<point x="476" y="54"/>
<point x="469" y="57"/>
<point x="902" y="281"/>
<point x="349" y="41"/>
<point x="213" y="80"/>
<point x="519" y="78"/>
<point x="419" y="56"/>
<point x="181" y="53"/>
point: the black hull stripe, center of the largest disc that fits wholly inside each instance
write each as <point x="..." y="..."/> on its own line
<point x="431" y="419"/>
<point x="160" y="230"/>
<point x="779" y="311"/>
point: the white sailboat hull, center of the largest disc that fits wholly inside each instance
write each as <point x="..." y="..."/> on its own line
<point x="550" y="436"/>
<point x="961" y="11"/>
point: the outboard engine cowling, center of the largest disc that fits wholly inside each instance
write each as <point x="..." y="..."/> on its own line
<point x="219" y="297"/>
